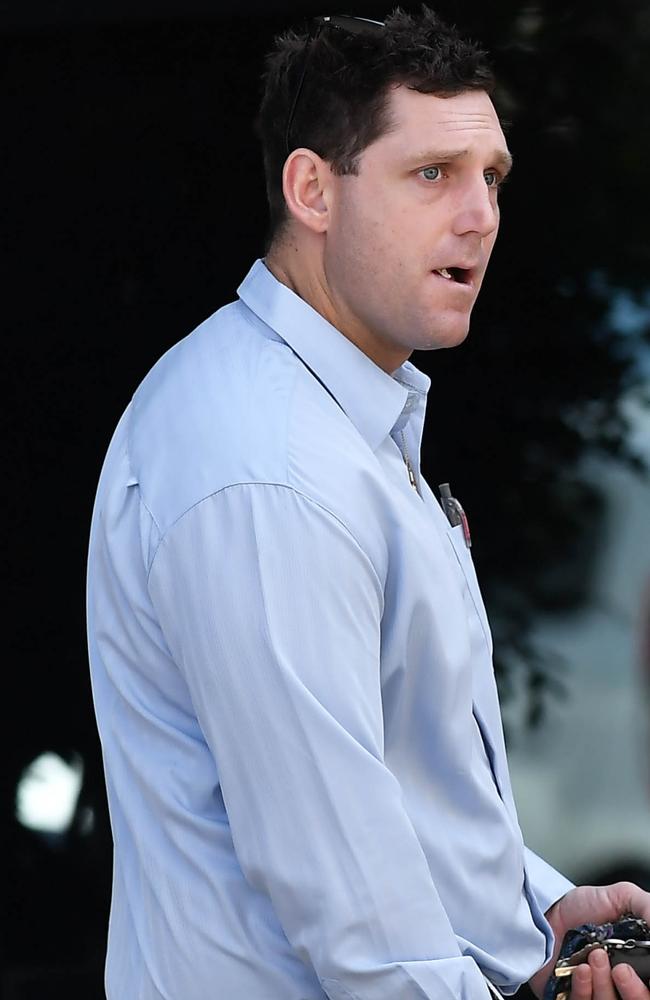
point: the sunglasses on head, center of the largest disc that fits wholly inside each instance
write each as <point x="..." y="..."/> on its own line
<point x="343" y="22"/>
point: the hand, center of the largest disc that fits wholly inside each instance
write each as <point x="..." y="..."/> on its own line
<point x="598" y="981"/>
<point x="595" y="905"/>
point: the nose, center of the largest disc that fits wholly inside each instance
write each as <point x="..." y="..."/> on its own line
<point x="477" y="209"/>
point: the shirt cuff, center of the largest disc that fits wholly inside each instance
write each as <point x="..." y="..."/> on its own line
<point x="547" y="884"/>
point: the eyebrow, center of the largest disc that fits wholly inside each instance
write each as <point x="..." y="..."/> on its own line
<point x="500" y="158"/>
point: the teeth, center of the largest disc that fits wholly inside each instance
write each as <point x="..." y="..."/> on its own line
<point x="445" y="273"/>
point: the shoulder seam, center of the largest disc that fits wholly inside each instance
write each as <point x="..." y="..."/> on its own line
<point x="285" y="486"/>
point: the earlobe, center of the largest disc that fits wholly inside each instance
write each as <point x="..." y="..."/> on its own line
<point x="305" y="179"/>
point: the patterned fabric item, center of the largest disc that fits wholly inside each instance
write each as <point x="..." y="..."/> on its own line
<point x="625" y="940"/>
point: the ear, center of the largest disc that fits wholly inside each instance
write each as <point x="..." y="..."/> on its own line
<point x="306" y="185"/>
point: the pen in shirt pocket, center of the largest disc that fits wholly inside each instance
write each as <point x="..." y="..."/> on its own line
<point x="454" y="511"/>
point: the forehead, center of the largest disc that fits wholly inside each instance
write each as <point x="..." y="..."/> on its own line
<point x="422" y="121"/>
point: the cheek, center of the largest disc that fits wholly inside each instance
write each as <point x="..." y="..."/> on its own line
<point x="364" y="208"/>
<point x="376" y="242"/>
<point x="362" y="239"/>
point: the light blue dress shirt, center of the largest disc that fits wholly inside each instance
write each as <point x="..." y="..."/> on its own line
<point x="291" y="667"/>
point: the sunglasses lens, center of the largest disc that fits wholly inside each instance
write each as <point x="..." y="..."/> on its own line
<point x="355" y="25"/>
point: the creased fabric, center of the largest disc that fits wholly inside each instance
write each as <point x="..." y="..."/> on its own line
<point x="291" y="667"/>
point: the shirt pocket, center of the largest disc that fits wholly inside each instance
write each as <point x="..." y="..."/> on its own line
<point x="457" y="541"/>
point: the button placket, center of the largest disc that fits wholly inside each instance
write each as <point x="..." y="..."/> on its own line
<point x="457" y="541"/>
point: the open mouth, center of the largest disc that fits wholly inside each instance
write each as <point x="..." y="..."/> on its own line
<point x="460" y="275"/>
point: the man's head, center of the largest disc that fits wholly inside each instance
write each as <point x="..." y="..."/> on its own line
<point x="395" y="157"/>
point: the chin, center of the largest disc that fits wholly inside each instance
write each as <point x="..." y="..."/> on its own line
<point x="458" y="338"/>
<point x="451" y="336"/>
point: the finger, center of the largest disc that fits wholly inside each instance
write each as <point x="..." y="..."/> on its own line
<point x="628" y="984"/>
<point x="602" y="986"/>
<point x="631" y="898"/>
<point x="581" y="983"/>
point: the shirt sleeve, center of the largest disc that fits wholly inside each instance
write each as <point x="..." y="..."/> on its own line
<point x="273" y="614"/>
<point x="547" y="884"/>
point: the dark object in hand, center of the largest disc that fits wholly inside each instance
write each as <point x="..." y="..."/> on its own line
<point x="626" y="941"/>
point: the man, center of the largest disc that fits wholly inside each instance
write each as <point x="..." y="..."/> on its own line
<point x="291" y="659"/>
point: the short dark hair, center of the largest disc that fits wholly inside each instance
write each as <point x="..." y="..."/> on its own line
<point x="344" y="102"/>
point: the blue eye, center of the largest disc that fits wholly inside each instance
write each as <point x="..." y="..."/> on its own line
<point x="429" y="171"/>
<point x="495" y="178"/>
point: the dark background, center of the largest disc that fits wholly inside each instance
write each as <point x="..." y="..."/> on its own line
<point x="134" y="205"/>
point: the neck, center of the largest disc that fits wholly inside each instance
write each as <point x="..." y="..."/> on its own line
<point x="302" y="270"/>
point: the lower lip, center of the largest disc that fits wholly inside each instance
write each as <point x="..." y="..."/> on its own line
<point x="462" y="286"/>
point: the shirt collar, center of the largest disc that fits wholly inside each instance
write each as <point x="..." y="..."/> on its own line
<point x="372" y="399"/>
